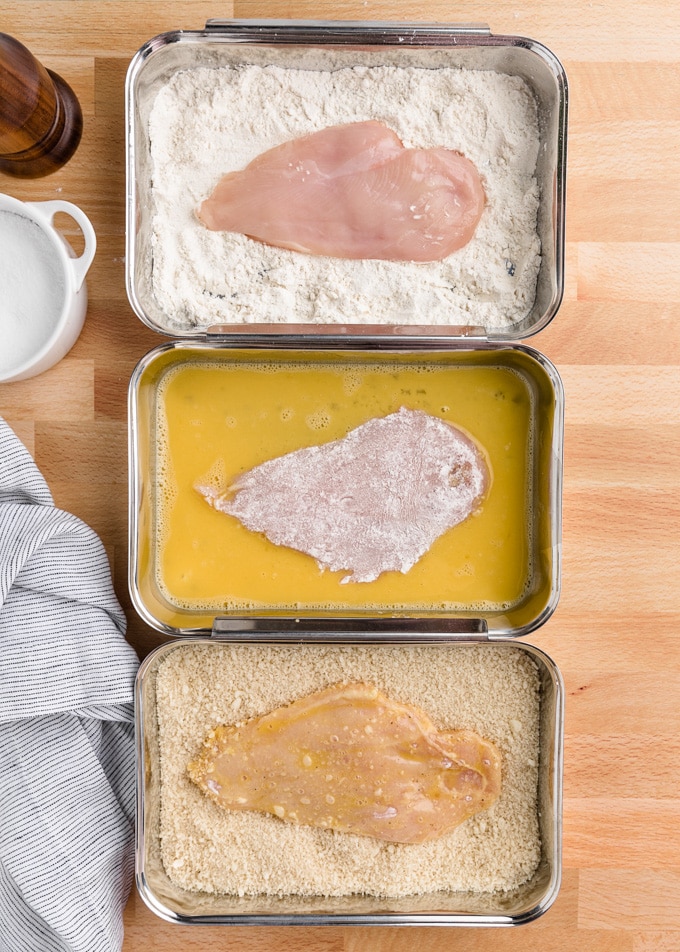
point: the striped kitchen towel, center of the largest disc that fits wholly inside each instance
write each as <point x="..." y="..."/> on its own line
<point x="66" y="725"/>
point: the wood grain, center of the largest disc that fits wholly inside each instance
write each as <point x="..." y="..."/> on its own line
<point x="616" y="342"/>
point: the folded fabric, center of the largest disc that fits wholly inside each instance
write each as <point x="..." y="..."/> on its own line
<point x="66" y="725"/>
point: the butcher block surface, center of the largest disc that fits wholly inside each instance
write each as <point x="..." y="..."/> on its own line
<point x="616" y="342"/>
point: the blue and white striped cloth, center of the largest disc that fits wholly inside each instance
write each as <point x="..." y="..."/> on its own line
<point x="66" y="725"/>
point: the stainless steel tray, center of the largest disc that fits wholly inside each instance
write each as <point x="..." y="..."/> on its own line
<point x="399" y="606"/>
<point x="305" y="44"/>
<point x="525" y="904"/>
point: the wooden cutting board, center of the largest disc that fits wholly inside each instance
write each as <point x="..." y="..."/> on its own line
<point x="616" y="342"/>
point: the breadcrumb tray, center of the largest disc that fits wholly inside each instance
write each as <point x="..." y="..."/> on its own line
<point x="199" y="864"/>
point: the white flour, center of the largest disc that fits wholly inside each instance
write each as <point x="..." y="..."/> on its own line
<point x="206" y="122"/>
<point x="31" y="290"/>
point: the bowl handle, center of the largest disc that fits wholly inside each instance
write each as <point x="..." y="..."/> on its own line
<point x="47" y="210"/>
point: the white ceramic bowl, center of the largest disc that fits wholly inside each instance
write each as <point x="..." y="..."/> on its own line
<point x="32" y="342"/>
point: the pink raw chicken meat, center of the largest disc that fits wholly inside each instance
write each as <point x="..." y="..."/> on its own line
<point x="352" y="191"/>
<point x="372" y="502"/>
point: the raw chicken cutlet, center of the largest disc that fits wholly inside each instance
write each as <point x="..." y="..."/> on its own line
<point x="348" y="758"/>
<point x="352" y="191"/>
<point x="374" y="501"/>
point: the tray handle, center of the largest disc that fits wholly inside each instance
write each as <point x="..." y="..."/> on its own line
<point x="347" y="630"/>
<point x="353" y="29"/>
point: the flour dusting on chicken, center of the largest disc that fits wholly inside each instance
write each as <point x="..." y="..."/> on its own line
<point x="374" y="501"/>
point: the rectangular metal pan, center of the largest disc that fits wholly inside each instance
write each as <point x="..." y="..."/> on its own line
<point x="523" y="904"/>
<point x="311" y="45"/>
<point x="260" y="403"/>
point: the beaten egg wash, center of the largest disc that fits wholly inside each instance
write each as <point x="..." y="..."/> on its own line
<point x="219" y="418"/>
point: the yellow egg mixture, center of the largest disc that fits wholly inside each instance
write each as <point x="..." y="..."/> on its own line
<point x="216" y="418"/>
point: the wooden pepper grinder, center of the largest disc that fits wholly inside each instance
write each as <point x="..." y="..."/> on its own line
<point x="41" y="121"/>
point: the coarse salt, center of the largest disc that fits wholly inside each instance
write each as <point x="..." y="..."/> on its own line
<point x="31" y="290"/>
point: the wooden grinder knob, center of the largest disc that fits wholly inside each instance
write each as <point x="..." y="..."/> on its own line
<point x="40" y="117"/>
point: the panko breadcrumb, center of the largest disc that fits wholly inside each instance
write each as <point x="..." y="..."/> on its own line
<point x="491" y="689"/>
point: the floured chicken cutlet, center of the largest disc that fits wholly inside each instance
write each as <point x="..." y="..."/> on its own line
<point x="371" y="502"/>
<point x="352" y="191"/>
<point x="348" y="758"/>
